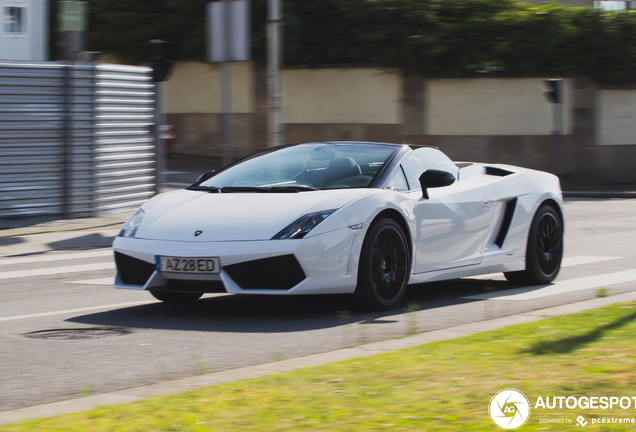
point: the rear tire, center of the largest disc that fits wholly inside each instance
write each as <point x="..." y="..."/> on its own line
<point x="384" y="268"/>
<point x="544" y="251"/>
<point x="176" y="297"/>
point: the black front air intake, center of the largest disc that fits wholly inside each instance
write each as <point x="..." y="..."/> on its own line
<point x="281" y="273"/>
<point x="133" y="271"/>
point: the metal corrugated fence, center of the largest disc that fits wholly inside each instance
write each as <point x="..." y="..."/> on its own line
<point x="125" y="152"/>
<point x="75" y="139"/>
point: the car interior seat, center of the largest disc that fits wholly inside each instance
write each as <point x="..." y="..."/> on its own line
<point x="338" y="169"/>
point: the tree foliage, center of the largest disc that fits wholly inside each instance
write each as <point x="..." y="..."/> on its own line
<point x="437" y="38"/>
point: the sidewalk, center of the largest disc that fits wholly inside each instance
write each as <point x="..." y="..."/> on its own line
<point x="41" y="225"/>
<point x="598" y="190"/>
<point x="67" y="234"/>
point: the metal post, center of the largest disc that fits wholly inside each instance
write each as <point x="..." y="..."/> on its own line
<point x="226" y="112"/>
<point x="93" y="146"/>
<point x="557" y="135"/>
<point x="226" y="90"/>
<point x="159" y="156"/>
<point x="66" y="143"/>
<point x="276" y="135"/>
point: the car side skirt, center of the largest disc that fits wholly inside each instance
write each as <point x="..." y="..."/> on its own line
<point x="509" y="265"/>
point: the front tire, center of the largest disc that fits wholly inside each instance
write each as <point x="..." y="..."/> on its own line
<point x="544" y="251"/>
<point x="384" y="267"/>
<point x="176" y="297"/>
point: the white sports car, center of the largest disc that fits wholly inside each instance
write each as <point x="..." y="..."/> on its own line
<point x="343" y="217"/>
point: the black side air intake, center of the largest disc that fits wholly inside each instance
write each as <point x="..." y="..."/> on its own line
<point x="499" y="172"/>
<point x="281" y="273"/>
<point x="507" y="219"/>
<point x="133" y="271"/>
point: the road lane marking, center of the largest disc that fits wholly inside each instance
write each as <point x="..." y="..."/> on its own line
<point x="567" y="262"/>
<point x="78" y="310"/>
<point x="581" y="260"/>
<point x="92" y="308"/>
<point x="56" y="257"/>
<point x="560" y="287"/>
<point x="100" y="281"/>
<point x="56" y="270"/>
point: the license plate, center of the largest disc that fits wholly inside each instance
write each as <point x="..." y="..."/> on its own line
<point x="188" y="265"/>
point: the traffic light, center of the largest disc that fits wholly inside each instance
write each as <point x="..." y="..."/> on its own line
<point x="159" y="60"/>
<point x="555" y="90"/>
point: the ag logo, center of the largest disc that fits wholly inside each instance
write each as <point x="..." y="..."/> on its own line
<point x="509" y="409"/>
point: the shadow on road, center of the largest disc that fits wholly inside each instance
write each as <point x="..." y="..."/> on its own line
<point x="94" y="240"/>
<point x="280" y="314"/>
<point x="10" y="241"/>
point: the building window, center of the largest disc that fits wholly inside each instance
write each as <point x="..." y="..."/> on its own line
<point x="15" y="19"/>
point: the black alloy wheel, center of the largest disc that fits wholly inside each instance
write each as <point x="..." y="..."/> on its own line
<point x="384" y="266"/>
<point x="544" y="251"/>
<point x="176" y="297"/>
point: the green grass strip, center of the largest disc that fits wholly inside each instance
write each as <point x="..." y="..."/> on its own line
<point x="439" y="386"/>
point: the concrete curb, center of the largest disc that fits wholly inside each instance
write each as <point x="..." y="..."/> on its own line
<point x="181" y="385"/>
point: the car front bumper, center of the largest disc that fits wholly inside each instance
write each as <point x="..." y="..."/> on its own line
<point x="329" y="262"/>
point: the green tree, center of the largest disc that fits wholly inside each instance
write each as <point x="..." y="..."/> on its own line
<point x="437" y="38"/>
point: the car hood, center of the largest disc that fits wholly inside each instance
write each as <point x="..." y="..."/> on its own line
<point x="241" y="216"/>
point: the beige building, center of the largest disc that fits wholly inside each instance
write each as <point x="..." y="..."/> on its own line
<point x="500" y="120"/>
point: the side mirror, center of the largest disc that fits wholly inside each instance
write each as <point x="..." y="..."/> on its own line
<point x="204" y="177"/>
<point x="433" y="178"/>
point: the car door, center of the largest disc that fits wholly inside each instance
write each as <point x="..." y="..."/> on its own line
<point x="452" y="224"/>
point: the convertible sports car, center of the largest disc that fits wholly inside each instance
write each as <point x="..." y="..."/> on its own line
<point x="343" y="217"/>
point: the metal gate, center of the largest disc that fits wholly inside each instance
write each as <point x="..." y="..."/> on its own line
<point x="75" y="139"/>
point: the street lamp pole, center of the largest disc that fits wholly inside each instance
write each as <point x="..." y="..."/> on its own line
<point x="226" y="88"/>
<point x="555" y="95"/>
<point x="276" y="133"/>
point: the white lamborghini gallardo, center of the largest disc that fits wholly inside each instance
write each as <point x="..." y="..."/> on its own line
<point x="343" y="217"/>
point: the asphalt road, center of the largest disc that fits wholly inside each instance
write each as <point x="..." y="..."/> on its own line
<point x="61" y="287"/>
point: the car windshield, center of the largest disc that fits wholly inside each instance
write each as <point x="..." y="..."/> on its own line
<point x="304" y="167"/>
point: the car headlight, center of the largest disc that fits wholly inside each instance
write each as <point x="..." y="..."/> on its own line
<point x="301" y="226"/>
<point x="130" y="227"/>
